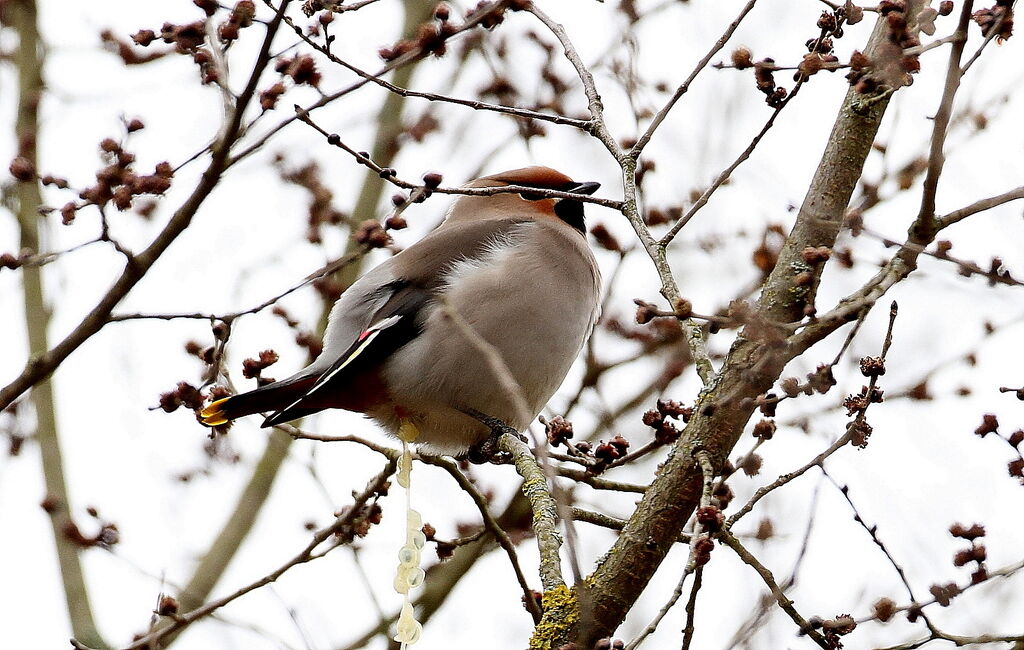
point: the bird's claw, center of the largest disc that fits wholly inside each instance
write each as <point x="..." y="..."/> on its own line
<point x="487" y="451"/>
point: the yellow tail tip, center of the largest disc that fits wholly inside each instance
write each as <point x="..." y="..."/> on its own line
<point x="213" y="414"/>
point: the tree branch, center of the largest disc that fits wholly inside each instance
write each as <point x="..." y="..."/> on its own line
<point x="751" y="367"/>
<point x="42" y="365"/>
<point x="307" y="554"/>
<point x="28" y="59"/>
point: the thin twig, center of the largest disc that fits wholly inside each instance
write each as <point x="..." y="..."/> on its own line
<point x="691" y="607"/>
<point x="307" y="554"/>
<point x="940" y="124"/>
<point x="724" y="175"/>
<point x="491" y="525"/>
<point x="685" y="86"/>
<point x="598" y="482"/>
<point x="227" y="318"/>
<point x="786" y="478"/>
<point x="522" y="113"/>
<point x="784" y="601"/>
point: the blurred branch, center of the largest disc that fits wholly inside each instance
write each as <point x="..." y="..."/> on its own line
<point x="222" y="550"/>
<point x="28" y="59"/>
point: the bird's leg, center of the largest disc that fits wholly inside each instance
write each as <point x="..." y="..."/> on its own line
<point x="486" y="451"/>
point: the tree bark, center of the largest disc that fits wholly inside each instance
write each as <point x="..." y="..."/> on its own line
<point x="751" y="367"/>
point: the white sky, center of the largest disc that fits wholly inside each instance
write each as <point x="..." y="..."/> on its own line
<point x="922" y="471"/>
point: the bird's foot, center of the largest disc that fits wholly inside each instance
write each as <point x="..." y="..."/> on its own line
<point x="487" y="451"/>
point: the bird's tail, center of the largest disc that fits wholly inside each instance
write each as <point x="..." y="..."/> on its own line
<point x="272" y="397"/>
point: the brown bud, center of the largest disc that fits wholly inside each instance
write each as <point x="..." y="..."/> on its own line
<point x="682" y="307"/>
<point x="702" y="550"/>
<point x="969" y="533"/>
<point x="751" y="464"/>
<point x="144" y="37"/>
<point x="559" y="430"/>
<point x="22" y="169"/>
<point x="710" y="518"/>
<point x="605" y="238"/>
<point x="943" y="594"/>
<point x="432" y="180"/>
<point x="168" y="606"/>
<point x="50" y="504"/>
<point x="816" y="255"/>
<point x="885" y="609"/>
<point x="989" y="424"/>
<point x="742" y="58"/>
<point x="395" y="222"/>
<point x="790" y="386"/>
<point x="371" y="233"/>
<point x="872" y="366"/>
<point x="764" y="429"/>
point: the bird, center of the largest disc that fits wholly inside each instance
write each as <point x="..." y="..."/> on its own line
<point x="515" y="269"/>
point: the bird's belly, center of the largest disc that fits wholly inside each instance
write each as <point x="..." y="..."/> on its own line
<point x="536" y="328"/>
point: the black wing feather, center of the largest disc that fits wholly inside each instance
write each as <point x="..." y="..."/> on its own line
<point x="404" y="306"/>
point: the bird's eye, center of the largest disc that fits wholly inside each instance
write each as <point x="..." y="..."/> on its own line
<point x="532" y="196"/>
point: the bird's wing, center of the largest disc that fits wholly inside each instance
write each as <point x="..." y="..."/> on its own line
<point x="394" y="311"/>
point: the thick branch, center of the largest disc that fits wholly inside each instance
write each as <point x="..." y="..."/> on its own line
<point x="750" y="369"/>
<point x="545" y="510"/>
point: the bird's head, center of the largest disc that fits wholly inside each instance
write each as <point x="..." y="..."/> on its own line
<point x="528" y="204"/>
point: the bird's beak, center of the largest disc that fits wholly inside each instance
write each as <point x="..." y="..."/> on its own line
<point x="584" y="188"/>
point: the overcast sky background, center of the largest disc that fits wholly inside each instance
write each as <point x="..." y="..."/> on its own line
<point x="922" y="471"/>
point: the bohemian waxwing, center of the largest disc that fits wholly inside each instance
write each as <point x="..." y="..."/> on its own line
<point x="519" y="272"/>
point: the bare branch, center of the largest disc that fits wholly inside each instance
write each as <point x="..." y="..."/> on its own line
<point x="685" y="86"/>
<point x="491" y="525"/>
<point x="785" y="603"/>
<point x="545" y="510"/>
<point x="307" y="554"/>
<point x="41" y="365"/>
